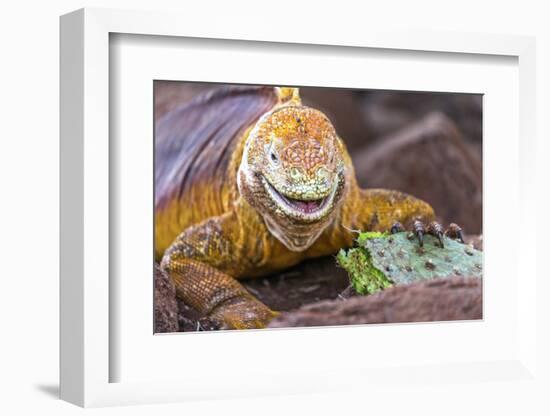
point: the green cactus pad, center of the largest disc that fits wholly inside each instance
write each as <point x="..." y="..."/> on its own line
<point x="381" y="260"/>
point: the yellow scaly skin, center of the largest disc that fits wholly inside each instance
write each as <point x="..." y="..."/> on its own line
<point x="289" y="194"/>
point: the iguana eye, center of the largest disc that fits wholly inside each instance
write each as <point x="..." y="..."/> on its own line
<point x="274" y="158"/>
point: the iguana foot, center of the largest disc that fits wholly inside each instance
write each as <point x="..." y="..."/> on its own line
<point x="419" y="229"/>
<point x="242" y="312"/>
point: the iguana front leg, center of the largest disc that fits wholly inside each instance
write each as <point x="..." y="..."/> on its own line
<point x="202" y="262"/>
<point x="394" y="211"/>
<point x="380" y="209"/>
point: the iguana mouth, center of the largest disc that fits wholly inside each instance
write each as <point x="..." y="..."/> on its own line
<point x="307" y="208"/>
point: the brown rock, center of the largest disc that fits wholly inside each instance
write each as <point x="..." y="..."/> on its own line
<point x="386" y="112"/>
<point x="166" y="308"/>
<point x="457" y="298"/>
<point x="431" y="161"/>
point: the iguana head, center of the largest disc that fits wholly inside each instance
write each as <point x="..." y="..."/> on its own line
<point x="292" y="171"/>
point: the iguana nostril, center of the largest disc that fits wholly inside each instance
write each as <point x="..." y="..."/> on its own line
<point x="295" y="174"/>
<point x="322" y="173"/>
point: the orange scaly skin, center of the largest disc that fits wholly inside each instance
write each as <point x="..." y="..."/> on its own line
<point x="269" y="185"/>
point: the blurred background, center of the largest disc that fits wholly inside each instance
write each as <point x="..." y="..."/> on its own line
<point x="423" y="143"/>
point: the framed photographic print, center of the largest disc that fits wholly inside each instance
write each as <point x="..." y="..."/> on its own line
<point x="333" y="204"/>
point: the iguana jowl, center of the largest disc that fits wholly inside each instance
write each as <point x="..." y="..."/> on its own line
<point x="249" y="181"/>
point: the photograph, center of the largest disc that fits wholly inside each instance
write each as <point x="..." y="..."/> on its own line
<point x="291" y="206"/>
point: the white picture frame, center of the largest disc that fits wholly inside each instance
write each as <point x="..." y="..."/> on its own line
<point x="87" y="356"/>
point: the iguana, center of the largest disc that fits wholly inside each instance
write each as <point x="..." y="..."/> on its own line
<point x="249" y="181"/>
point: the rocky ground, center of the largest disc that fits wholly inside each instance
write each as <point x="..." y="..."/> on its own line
<point x="317" y="293"/>
<point x="456" y="298"/>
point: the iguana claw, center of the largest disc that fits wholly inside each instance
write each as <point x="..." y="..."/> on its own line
<point x="397" y="227"/>
<point x="455" y="232"/>
<point x="434" y="228"/>
<point x="419" y="230"/>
